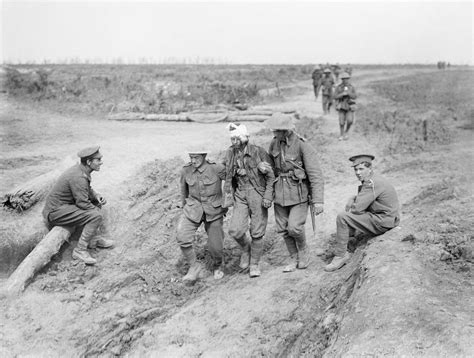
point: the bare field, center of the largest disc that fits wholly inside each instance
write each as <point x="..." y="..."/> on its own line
<point x="406" y="293"/>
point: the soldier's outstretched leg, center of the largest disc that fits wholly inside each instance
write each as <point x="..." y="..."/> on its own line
<point x="195" y="267"/>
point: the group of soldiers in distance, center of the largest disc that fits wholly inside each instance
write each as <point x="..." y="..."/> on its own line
<point x="343" y="95"/>
<point x="250" y="179"/>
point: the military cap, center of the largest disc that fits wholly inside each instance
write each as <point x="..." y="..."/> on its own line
<point x="88" y="152"/>
<point x="197" y="150"/>
<point x="360" y="158"/>
<point x="280" y="121"/>
<point x="327" y="70"/>
<point x="345" y="75"/>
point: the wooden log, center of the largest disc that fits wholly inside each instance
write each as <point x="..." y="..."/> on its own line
<point x="36" y="260"/>
<point x="166" y="117"/>
<point x="28" y="194"/>
<point x="126" y="116"/>
<point x="244" y="118"/>
<point x="203" y="117"/>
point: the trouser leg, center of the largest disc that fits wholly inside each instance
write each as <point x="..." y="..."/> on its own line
<point x="342" y="122"/>
<point x="349" y="120"/>
<point x="239" y="221"/>
<point x="281" y="219"/>
<point x="215" y="234"/>
<point x="347" y="223"/>
<point x="296" y="223"/>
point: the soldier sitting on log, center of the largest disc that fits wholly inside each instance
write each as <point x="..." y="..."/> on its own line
<point x="72" y="203"/>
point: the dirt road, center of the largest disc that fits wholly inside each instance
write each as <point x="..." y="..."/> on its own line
<point x="392" y="299"/>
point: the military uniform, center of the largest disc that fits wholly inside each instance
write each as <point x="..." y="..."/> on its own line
<point x="72" y="202"/>
<point x="374" y="211"/>
<point x="317" y="77"/>
<point x="298" y="175"/>
<point x="201" y="197"/>
<point x="327" y="84"/>
<point x="345" y="96"/>
<point x="251" y="188"/>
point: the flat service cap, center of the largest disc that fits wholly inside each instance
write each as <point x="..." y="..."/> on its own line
<point x="360" y="158"/>
<point x="327" y="70"/>
<point x="345" y="75"/>
<point x="197" y="150"/>
<point x="88" y="152"/>
<point x="280" y="121"/>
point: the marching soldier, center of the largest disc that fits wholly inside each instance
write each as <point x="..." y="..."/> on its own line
<point x="73" y="203"/>
<point x="317" y="75"/>
<point x="374" y="210"/>
<point x="250" y="175"/>
<point x="299" y="182"/>
<point x="201" y="200"/>
<point x="327" y="84"/>
<point x="345" y="96"/>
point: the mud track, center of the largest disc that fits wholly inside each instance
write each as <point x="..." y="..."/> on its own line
<point x="133" y="303"/>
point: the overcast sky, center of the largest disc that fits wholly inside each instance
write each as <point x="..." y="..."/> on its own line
<point x="239" y="32"/>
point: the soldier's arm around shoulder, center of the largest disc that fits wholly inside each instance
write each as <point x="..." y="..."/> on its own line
<point x="314" y="172"/>
<point x="267" y="166"/>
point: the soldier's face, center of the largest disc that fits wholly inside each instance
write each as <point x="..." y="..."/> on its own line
<point x="95" y="163"/>
<point x="197" y="159"/>
<point x="362" y="172"/>
<point x="236" y="142"/>
<point x="280" y="134"/>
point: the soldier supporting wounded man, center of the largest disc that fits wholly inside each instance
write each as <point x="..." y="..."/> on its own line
<point x="250" y="176"/>
<point x="201" y="200"/>
<point x="72" y="203"/>
<point x="374" y="210"/>
<point x="299" y="183"/>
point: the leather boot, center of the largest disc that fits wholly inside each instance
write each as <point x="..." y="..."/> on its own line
<point x="194" y="267"/>
<point x="81" y="253"/>
<point x="337" y="262"/>
<point x="100" y="242"/>
<point x="303" y="258"/>
<point x="256" y="251"/>
<point x="292" y="262"/>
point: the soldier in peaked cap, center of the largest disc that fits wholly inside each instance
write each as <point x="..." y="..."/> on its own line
<point x="374" y="210"/>
<point x="298" y="183"/>
<point x="73" y="203"/>
<point x="201" y="200"/>
<point x="345" y="96"/>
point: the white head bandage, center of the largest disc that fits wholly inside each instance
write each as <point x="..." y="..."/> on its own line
<point x="239" y="131"/>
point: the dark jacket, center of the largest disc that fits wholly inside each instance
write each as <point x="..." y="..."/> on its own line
<point x="73" y="187"/>
<point x="344" y="102"/>
<point x="201" y="191"/>
<point x="327" y="84"/>
<point x="378" y="197"/>
<point x="253" y="156"/>
<point x="297" y="172"/>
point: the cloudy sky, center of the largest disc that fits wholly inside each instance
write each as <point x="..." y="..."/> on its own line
<point x="238" y="32"/>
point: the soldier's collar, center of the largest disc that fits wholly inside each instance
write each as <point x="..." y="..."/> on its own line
<point x="202" y="167"/>
<point x="85" y="171"/>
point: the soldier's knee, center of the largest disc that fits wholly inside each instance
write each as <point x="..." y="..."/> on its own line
<point x="96" y="216"/>
<point x="295" y="230"/>
<point x="342" y="217"/>
<point x="236" y="232"/>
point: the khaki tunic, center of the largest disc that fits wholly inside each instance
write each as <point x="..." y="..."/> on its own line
<point x="297" y="172"/>
<point x="201" y="191"/>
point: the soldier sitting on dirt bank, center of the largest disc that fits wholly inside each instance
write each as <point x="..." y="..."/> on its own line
<point x="374" y="210"/>
<point x="201" y="199"/>
<point x="72" y="203"/>
<point x="299" y="183"/>
<point x="250" y="175"/>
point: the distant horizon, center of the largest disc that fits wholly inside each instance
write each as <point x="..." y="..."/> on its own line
<point x="237" y="32"/>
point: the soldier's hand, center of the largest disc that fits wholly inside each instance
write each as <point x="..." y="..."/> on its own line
<point x="318" y="209"/>
<point x="266" y="203"/>
<point x="264" y="167"/>
<point x="241" y="172"/>
<point x="102" y="200"/>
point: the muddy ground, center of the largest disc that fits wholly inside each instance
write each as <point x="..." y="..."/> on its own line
<point x="406" y="293"/>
